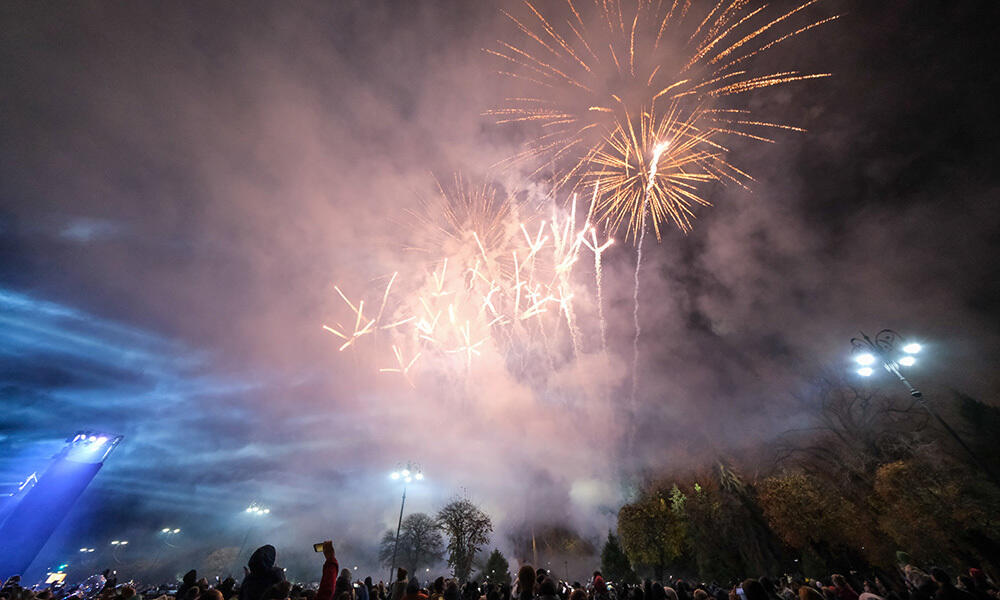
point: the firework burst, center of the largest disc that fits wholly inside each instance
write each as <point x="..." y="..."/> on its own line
<point x="490" y="284"/>
<point x="591" y="76"/>
<point x="656" y="163"/>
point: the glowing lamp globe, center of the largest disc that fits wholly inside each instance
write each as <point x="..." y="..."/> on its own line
<point x="865" y="359"/>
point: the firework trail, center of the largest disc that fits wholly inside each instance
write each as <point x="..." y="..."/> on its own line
<point x="658" y="150"/>
<point x="598" y="249"/>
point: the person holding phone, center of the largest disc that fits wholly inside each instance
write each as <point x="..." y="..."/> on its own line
<point x="328" y="582"/>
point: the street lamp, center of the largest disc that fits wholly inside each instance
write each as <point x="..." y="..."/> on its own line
<point x="889" y="349"/>
<point x="254" y="510"/>
<point x="893" y="351"/>
<point x="116" y="546"/>
<point x="411" y="472"/>
<point x="167" y="533"/>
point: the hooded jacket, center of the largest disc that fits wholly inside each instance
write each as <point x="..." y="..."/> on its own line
<point x="262" y="575"/>
<point x="190" y="580"/>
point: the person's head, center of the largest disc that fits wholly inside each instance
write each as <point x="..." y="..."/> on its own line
<point x="400" y="574"/>
<point x="192" y="593"/>
<point x="578" y="594"/>
<point x="368" y="581"/>
<point x="670" y="593"/>
<point x="212" y="594"/>
<point x="438" y="585"/>
<point x="753" y="590"/>
<point x="808" y="593"/>
<point x="547" y="587"/>
<point x="262" y="559"/>
<point x="126" y="592"/>
<point x="413" y="586"/>
<point x="526" y="579"/>
<point x="700" y="594"/>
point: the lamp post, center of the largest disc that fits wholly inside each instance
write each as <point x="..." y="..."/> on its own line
<point x="117" y="545"/>
<point x="166" y="533"/>
<point x="255" y="511"/>
<point x="408" y="474"/>
<point x="892" y="351"/>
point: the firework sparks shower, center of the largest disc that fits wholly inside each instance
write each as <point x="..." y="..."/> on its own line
<point x="630" y="100"/>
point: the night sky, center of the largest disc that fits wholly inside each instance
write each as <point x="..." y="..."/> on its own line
<point x="181" y="184"/>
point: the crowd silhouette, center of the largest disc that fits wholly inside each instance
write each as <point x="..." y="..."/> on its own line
<point x="264" y="580"/>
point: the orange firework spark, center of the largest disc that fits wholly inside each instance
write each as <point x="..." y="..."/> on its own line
<point x="589" y="73"/>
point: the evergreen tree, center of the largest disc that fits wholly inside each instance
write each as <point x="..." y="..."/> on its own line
<point x="615" y="564"/>
<point x="497" y="569"/>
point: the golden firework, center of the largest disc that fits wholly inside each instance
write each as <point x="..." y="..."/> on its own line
<point x="656" y="163"/>
<point x="591" y="75"/>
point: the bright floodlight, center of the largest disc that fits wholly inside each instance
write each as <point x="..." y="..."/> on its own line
<point x="177" y="531"/>
<point x="405" y="473"/>
<point x="124" y="542"/>
<point x="395" y="475"/>
<point x="102" y="439"/>
<point x="865" y="371"/>
<point x="249" y="509"/>
<point x="418" y="476"/>
<point x="267" y="511"/>
<point x="83" y="549"/>
<point x="911" y="348"/>
<point x="907" y="361"/>
<point x="408" y="479"/>
<point x="865" y="359"/>
<point x="115" y="542"/>
<point x="165" y="530"/>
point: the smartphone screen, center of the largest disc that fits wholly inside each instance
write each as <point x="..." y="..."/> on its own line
<point x="318" y="547"/>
